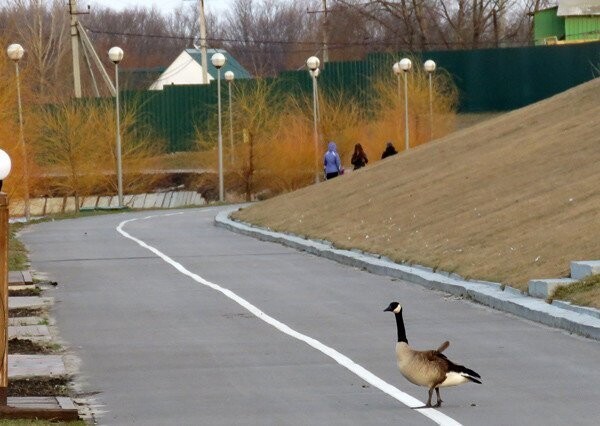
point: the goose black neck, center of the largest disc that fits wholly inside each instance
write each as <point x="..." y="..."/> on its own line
<point x="401" y="330"/>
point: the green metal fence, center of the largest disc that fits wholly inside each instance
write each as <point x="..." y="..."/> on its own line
<point x="487" y="79"/>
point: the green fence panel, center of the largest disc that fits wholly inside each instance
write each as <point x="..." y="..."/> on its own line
<point x="487" y="79"/>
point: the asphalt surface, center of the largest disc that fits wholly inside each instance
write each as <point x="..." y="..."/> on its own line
<point x="162" y="348"/>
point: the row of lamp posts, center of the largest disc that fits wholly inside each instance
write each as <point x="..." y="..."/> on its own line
<point x="313" y="63"/>
<point x="218" y="60"/>
<point x="401" y="67"/>
<point x="15" y="53"/>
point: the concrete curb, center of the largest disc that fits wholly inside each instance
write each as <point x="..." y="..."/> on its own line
<point x="493" y="295"/>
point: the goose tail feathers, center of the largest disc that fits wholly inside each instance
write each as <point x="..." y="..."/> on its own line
<point x="443" y="346"/>
<point x="467" y="373"/>
<point x="473" y="379"/>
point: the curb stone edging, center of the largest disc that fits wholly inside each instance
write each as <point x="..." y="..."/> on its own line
<point x="581" y="269"/>
<point x="581" y="309"/>
<point x="490" y="294"/>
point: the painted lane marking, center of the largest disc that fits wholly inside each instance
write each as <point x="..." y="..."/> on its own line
<point x="435" y="415"/>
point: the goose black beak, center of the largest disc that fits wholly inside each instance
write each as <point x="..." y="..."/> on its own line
<point x="388" y="309"/>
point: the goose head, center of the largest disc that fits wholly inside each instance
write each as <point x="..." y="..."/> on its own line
<point x="394" y="307"/>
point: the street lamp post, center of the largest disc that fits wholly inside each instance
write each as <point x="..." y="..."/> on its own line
<point x="229" y="76"/>
<point x="15" y="53"/>
<point x="405" y="65"/>
<point x="398" y="71"/>
<point x="116" y="55"/>
<point x="429" y="66"/>
<point x="218" y="60"/>
<point x="315" y="74"/>
<point x="313" y="65"/>
<point x="5" y="166"/>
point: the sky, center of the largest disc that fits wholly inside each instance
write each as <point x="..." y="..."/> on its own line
<point x="165" y="6"/>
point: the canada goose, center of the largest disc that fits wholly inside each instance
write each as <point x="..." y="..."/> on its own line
<point x="428" y="368"/>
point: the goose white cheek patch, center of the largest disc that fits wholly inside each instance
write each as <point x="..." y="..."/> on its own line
<point x="435" y="415"/>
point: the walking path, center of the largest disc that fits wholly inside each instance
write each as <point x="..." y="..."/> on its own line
<point x="490" y="294"/>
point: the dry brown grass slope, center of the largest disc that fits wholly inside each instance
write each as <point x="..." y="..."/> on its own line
<point x="513" y="198"/>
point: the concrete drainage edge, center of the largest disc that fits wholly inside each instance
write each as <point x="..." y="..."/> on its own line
<point x="489" y="294"/>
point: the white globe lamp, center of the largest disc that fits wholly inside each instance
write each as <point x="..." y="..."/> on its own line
<point x="115" y="54"/>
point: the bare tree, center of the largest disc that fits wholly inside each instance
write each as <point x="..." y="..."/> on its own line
<point x="42" y="30"/>
<point x="143" y="33"/>
<point x="419" y="25"/>
<point x="265" y="35"/>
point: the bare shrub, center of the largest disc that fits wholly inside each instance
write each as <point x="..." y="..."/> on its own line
<point x="76" y="144"/>
<point x="274" y="137"/>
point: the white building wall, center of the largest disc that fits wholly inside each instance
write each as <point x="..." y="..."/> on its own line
<point x="184" y="70"/>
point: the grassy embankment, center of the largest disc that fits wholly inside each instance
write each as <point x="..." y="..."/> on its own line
<point x="586" y="292"/>
<point x="507" y="200"/>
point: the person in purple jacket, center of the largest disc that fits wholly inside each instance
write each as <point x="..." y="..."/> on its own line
<point x="331" y="162"/>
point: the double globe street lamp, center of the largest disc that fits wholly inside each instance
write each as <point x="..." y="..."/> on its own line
<point x="218" y="60"/>
<point x="403" y="67"/>
<point x="116" y="55"/>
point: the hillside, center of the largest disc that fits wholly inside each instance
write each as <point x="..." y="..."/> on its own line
<point x="513" y="198"/>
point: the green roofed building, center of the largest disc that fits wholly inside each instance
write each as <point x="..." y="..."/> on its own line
<point x="186" y="69"/>
<point x="572" y="21"/>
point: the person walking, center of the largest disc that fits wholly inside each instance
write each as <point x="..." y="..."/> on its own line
<point x="389" y="151"/>
<point x="331" y="162"/>
<point x="359" y="158"/>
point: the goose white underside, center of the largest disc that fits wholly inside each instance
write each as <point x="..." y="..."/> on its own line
<point x="453" y="379"/>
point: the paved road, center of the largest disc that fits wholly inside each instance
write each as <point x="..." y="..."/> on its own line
<point x="163" y="348"/>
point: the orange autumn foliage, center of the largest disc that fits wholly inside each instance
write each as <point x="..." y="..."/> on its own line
<point x="274" y="148"/>
<point x="10" y="141"/>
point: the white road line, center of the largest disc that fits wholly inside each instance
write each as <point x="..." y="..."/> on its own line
<point x="437" y="416"/>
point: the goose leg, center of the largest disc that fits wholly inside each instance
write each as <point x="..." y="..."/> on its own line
<point x="429" y="400"/>
<point x="439" y="400"/>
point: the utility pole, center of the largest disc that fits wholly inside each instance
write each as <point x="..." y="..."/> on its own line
<point x="324" y="31"/>
<point x="202" y="22"/>
<point x="75" y="47"/>
<point x="325" y="34"/>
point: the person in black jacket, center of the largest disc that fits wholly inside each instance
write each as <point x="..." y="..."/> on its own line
<point x="389" y="150"/>
<point x="359" y="158"/>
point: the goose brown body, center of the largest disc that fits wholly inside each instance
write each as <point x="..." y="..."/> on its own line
<point x="428" y="368"/>
<point x="423" y="368"/>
